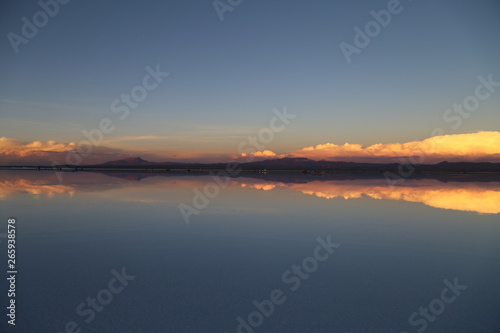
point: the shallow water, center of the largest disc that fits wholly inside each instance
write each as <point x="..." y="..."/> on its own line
<point x="394" y="248"/>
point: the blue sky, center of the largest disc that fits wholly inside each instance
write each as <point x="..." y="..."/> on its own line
<point x="227" y="76"/>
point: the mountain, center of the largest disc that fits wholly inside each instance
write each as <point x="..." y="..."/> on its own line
<point x="299" y="163"/>
<point x="130" y="161"/>
<point x="305" y="163"/>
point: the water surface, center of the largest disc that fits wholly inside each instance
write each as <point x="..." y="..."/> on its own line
<point x="397" y="245"/>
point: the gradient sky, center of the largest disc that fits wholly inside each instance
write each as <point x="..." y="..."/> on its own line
<point x="227" y="76"/>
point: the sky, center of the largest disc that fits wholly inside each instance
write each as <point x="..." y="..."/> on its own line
<point x="207" y="75"/>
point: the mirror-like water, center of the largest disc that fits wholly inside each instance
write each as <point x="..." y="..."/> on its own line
<point x="262" y="253"/>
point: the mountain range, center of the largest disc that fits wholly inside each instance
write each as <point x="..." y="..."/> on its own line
<point x="299" y="163"/>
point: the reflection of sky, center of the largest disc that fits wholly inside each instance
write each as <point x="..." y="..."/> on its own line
<point x="479" y="197"/>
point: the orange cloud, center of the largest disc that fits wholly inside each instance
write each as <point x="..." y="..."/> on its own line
<point x="480" y="146"/>
<point x="264" y="154"/>
<point x="483" y="146"/>
<point x="15" y="152"/>
<point x="14" y="147"/>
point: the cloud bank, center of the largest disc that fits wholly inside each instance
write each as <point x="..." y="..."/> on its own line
<point x="480" y="146"/>
<point x="474" y="147"/>
<point x="15" y="152"/>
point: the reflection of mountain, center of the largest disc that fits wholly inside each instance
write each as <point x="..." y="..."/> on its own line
<point x="475" y="196"/>
<point x="299" y="177"/>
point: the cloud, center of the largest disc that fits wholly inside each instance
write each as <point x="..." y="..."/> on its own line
<point x="264" y="153"/>
<point x="14" y="147"/>
<point x="257" y="156"/>
<point x="15" y="152"/>
<point x="480" y="146"/>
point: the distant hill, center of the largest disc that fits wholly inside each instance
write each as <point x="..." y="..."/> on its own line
<point x="130" y="161"/>
<point x="299" y="163"/>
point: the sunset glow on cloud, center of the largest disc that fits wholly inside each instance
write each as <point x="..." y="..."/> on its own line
<point x="15" y="152"/>
<point x="480" y="146"/>
<point x="259" y="155"/>
<point x="15" y="147"/>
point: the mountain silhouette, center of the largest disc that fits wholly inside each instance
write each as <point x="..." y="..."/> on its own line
<point x="300" y="163"/>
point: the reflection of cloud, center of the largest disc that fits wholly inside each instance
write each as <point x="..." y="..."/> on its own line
<point x="479" y="197"/>
<point x="9" y="188"/>
<point x="127" y="187"/>
<point x="474" y="197"/>
<point x="466" y="198"/>
<point x="484" y="146"/>
<point x="266" y="187"/>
